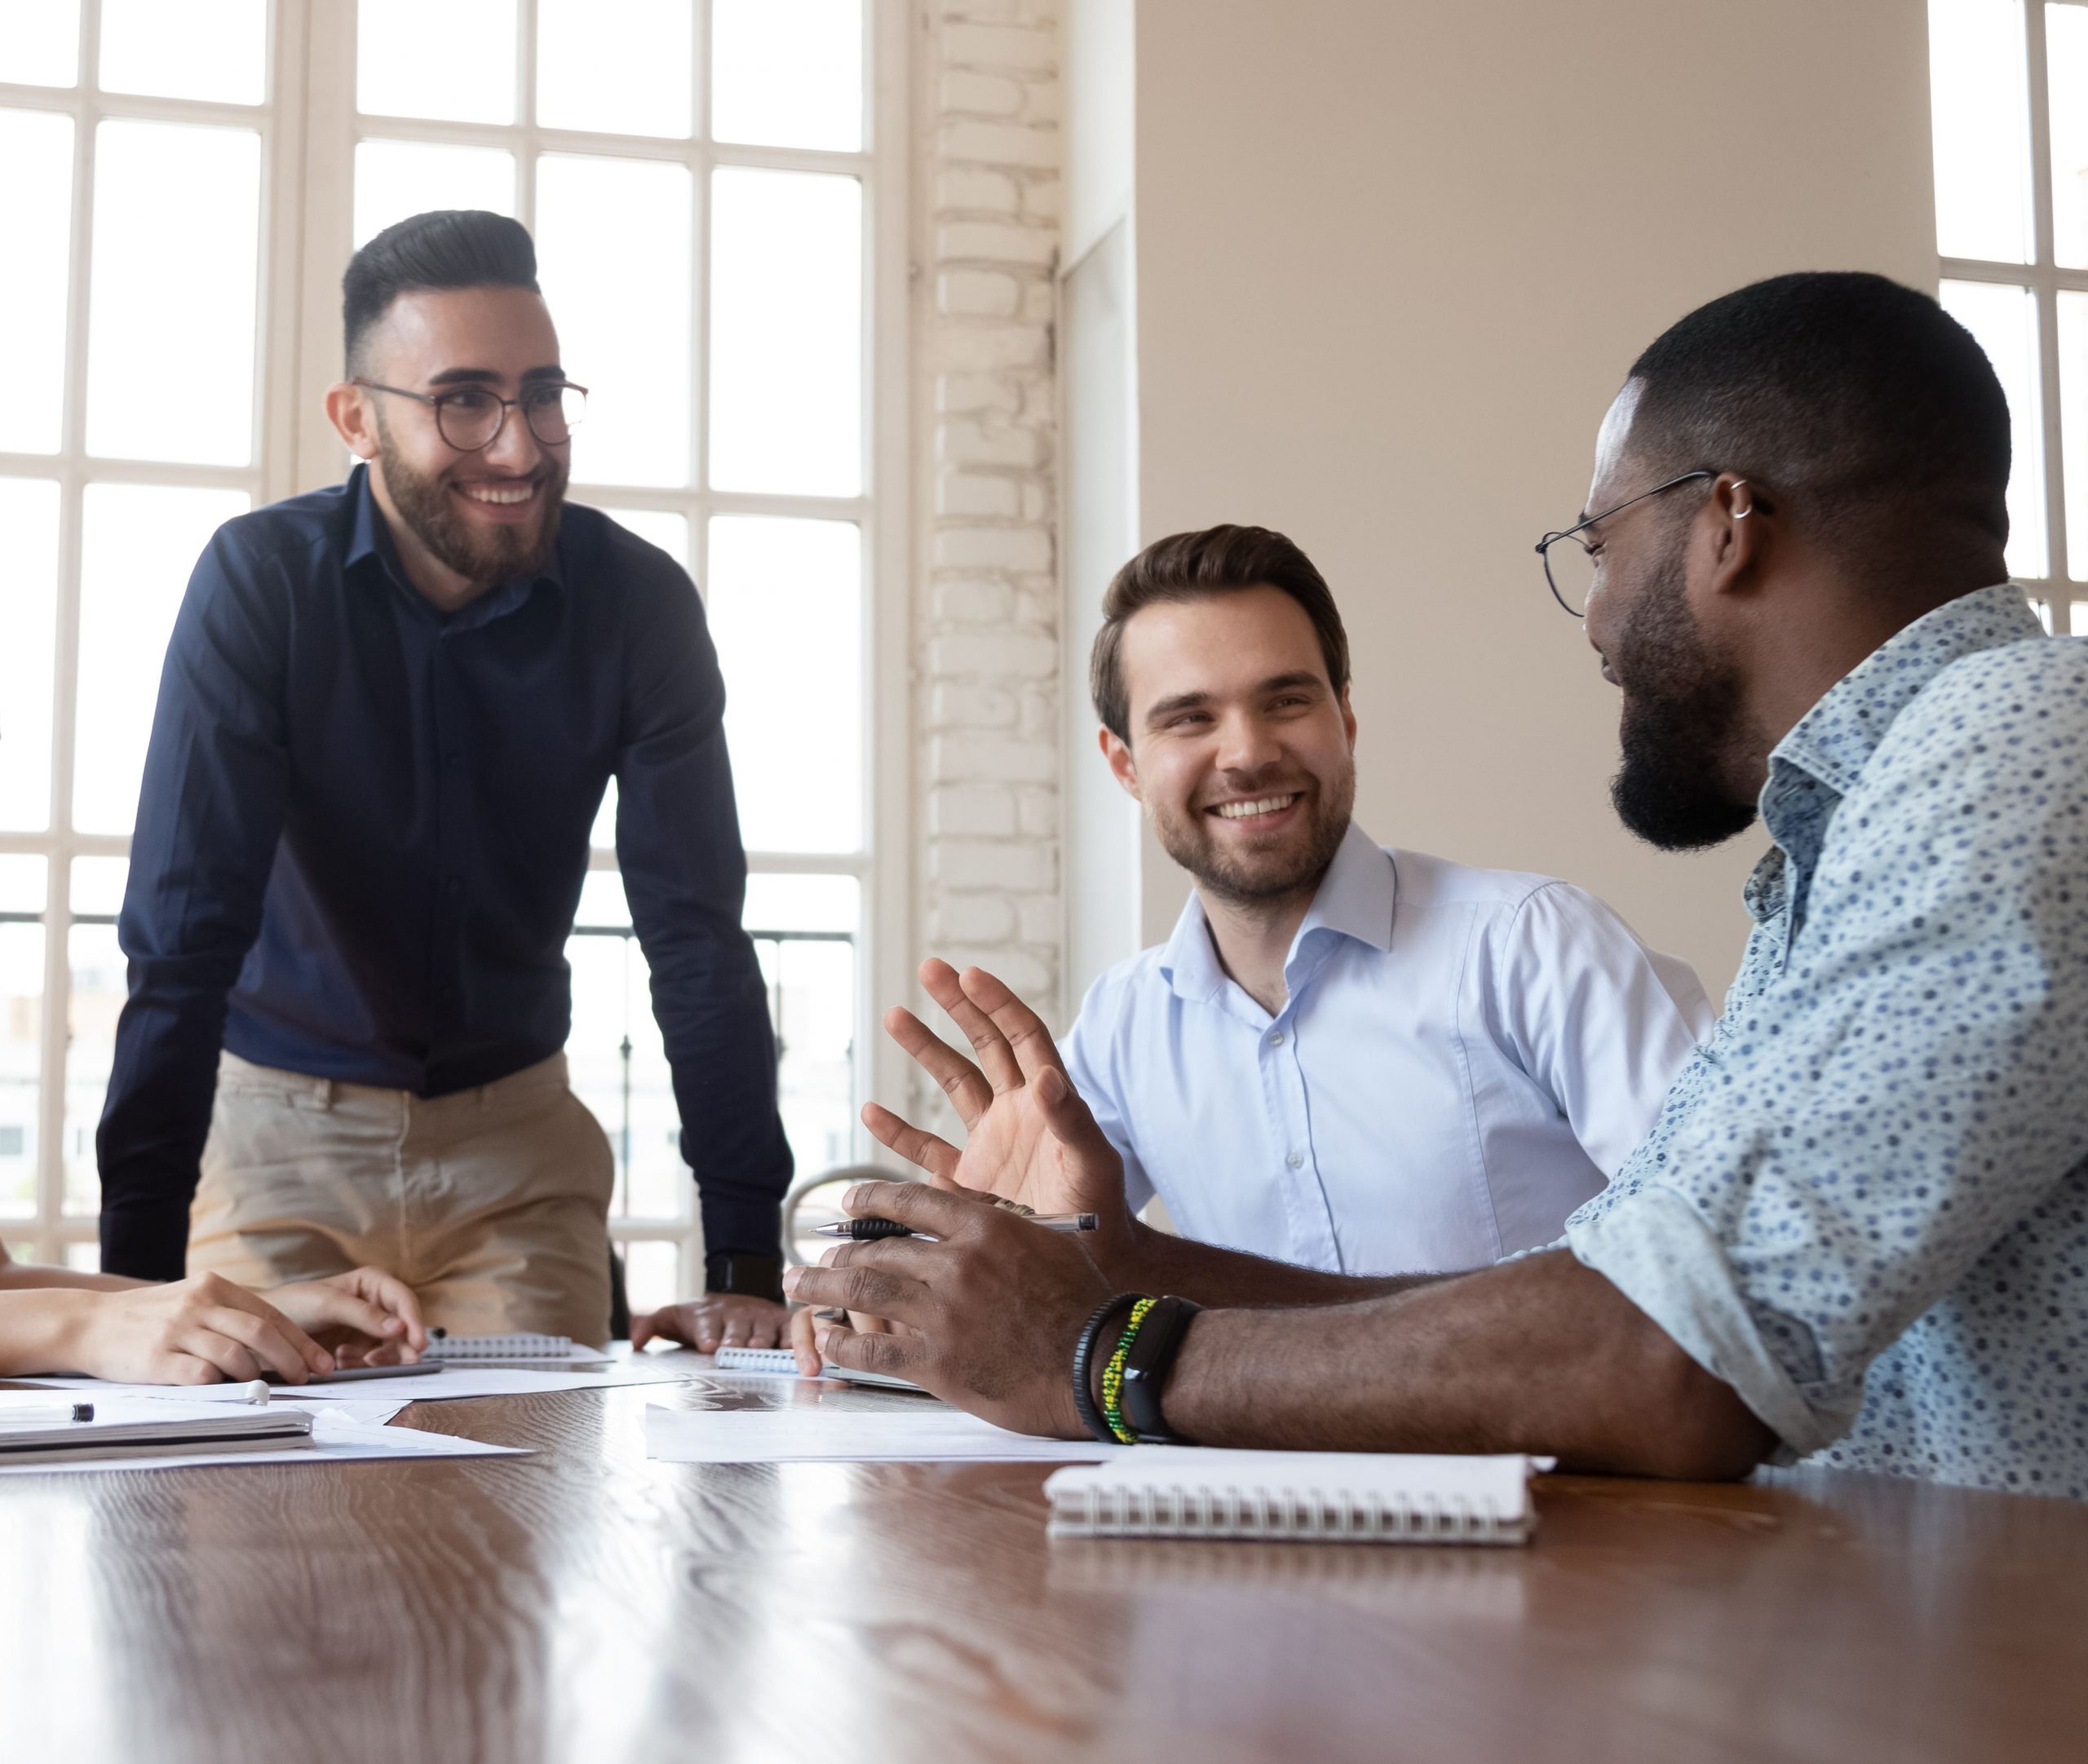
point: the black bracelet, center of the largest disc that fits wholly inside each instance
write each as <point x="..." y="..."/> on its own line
<point x="1084" y="1359"/>
<point x="1145" y="1367"/>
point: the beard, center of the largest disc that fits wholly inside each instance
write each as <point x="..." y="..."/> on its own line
<point x="1682" y="719"/>
<point x="1290" y="863"/>
<point x="485" y="555"/>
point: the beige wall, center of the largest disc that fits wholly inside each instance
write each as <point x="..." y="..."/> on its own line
<point x="1392" y="260"/>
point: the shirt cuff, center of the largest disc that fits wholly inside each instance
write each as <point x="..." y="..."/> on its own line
<point x="145" y="1243"/>
<point x="754" y="1227"/>
<point x="1655" y="1248"/>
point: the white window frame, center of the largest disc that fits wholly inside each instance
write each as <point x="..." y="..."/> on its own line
<point x="2057" y="590"/>
<point x="309" y="126"/>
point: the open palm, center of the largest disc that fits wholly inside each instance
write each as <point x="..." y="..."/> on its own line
<point x="1010" y="1151"/>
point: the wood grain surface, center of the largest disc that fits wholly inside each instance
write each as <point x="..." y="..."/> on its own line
<point x="587" y="1604"/>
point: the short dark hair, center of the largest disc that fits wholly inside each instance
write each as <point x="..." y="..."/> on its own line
<point x="1854" y="396"/>
<point x="445" y="248"/>
<point x="1193" y="566"/>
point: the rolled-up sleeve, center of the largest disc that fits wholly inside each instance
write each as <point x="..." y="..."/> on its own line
<point x="678" y="844"/>
<point x="209" y="813"/>
<point x="1898" y="1096"/>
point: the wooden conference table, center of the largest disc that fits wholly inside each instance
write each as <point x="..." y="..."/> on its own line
<point x="586" y="1603"/>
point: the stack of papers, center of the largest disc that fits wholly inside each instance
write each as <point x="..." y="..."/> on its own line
<point x="45" y="1430"/>
<point x="311" y="1435"/>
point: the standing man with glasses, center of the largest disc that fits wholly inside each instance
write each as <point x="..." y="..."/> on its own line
<point x="389" y="713"/>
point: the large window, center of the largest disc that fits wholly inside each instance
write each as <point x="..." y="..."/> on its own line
<point x="2010" y="86"/>
<point x="185" y="181"/>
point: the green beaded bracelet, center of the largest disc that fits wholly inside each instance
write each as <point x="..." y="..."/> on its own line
<point x="1112" y="1375"/>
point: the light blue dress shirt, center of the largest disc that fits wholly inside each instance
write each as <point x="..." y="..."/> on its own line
<point x="1866" y="1203"/>
<point x="1463" y="1057"/>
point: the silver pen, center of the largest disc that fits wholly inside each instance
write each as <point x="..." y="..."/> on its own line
<point x="859" y="1230"/>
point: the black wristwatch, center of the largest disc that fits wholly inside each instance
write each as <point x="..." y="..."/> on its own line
<point x="741" y="1270"/>
<point x="1145" y="1367"/>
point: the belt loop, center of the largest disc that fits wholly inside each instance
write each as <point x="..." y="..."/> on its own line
<point x="328" y="1090"/>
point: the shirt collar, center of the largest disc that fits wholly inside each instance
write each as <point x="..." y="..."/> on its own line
<point x="1355" y="899"/>
<point x="1833" y="742"/>
<point x="369" y="537"/>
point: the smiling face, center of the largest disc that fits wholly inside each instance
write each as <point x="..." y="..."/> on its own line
<point x="1241" y="750"/>
<point x="487" y="515"/>
<point x="1682" y="715"/>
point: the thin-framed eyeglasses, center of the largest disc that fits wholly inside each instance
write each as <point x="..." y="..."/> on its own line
<point x="1571" y="574"/>
<point x="470" y="418"/>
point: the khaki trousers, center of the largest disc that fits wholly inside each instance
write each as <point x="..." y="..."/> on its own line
<point x="492" y="1204"/>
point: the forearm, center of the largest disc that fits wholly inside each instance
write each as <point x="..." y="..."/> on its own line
<point x="39" y="1330"/>
<point x="1540" y="1355"/>
<point x="1155" y="1261"/>
<point x="16" y="1276"/>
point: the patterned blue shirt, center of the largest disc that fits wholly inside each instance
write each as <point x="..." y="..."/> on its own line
<point x="1864" y="1204"/>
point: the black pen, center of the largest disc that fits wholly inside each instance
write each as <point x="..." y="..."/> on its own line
<point x="860" y="1229"/>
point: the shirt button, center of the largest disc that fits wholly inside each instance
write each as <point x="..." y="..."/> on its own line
<point x="1276" y="1038"/>
<point x="1296" y="1160"/>
<point x="453" y="887"/>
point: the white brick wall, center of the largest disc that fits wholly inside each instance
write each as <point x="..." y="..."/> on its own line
<point x="986" y="645"/>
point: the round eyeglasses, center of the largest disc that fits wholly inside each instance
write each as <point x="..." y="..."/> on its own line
<point x="1569" y="568"/>
<point x="470" y="418"/>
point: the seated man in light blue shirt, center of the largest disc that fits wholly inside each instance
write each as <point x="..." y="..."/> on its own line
<point x="1355" y="1059"/>
<point x="1860" y="1227"/>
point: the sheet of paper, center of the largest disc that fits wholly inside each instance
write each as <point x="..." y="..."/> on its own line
<point x="335" y="1440"/>
<point x="451" y="1382"/>
<point x="820" y="1435"/>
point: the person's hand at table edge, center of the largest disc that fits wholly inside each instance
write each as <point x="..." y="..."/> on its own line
<point x="715" y="1320"/>
<point x="365" y="1317"/>
<point x="988" y="1313"/>
<point x="202" y="1330"/>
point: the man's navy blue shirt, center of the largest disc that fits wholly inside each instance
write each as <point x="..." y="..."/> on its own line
<point x="363" y="830"/>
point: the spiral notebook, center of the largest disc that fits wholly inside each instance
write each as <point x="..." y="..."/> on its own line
<point x="1306" y="1496"/>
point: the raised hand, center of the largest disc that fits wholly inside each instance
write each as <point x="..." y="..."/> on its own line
<point x="1036" y="1147"/>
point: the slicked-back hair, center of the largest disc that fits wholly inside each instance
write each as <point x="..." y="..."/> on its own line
<point x="445" y="248"/>
<point x="1863" y="403"/>
<point x="1195" y="566"/>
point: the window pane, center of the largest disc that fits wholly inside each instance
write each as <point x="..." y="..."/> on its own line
<point x="2073" y="431"/>
<point x="786" y="612"/>
<point x="614" y="238"/>
<point x="786" y="347"/>
<point x="40" y="43"/>
<point x="812" y="997"/>
<point x="1978" y="88"/>
<point x="652" y="1276"/>
<point x="623" y="70"/>
<point x="23" y="883"/>
<point x="452" y="58"/>
<point x="140" y="542"/>
<point x="29" y="618"/>
<point x="36" y="219"/>
<point x="395" y="179"/>
<point x="787" y="72"/>
<point x="177" y="222"/>
<point x="21" y="1058"/>
<point x="801" y="902"/>
<point x="99" y="988"/>
<point x="210" y="48"/>
<point x="2066" y="69"/>
<point x="657" y="526"/>
<point x="2004" y="320"/>
<point x="619" y="1069"/>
